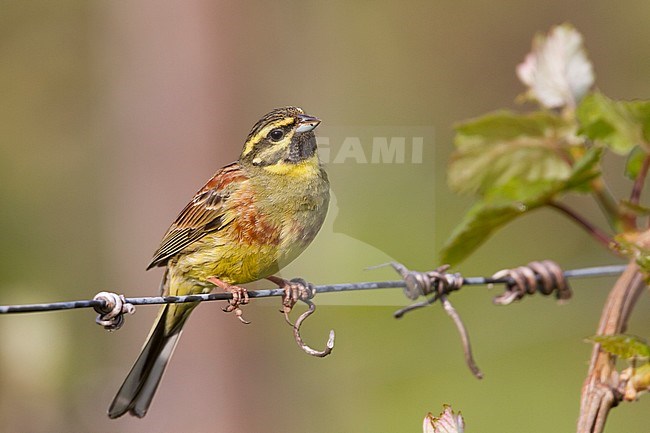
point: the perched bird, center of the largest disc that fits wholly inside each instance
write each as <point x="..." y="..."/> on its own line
<point x="251" y="218"/>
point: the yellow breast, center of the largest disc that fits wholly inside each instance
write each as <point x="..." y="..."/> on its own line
<point x="271" y="222"/>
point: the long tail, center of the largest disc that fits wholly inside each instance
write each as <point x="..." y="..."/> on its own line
<point x="140" y="385"/>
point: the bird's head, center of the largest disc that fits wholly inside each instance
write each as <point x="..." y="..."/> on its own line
<point x="282" y="139"/>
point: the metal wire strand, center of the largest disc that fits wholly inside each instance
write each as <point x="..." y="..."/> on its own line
<point x="545" y="276"/>
<point x="589" y="272"/>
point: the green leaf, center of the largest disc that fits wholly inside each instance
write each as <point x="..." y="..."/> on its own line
<point x="495" y="149"/>
<point x="620" y="125"/>
<point x="628" y="244"/>
<point x="504" y="204"/>
<point x="476" y="227"/>
<point x="634" y="208"/>
<point x="585" y="169"/>
<point x="638" y="383"/>
<point x="635" y="162"/>
<point x="641" y="110"/>
<point x="624" y="346"/>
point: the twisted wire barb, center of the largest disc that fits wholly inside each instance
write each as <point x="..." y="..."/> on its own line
<point x="544" y="277"/>
<point x="111" y="314"/>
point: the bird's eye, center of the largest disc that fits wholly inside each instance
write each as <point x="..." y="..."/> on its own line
<point x="276" y="134"/>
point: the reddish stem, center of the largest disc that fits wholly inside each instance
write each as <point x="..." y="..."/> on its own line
<point x="594" y="231"/>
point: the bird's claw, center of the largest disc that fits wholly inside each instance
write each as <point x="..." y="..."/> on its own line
<point x="295" y="290"/>
<point x="239" y="297"/>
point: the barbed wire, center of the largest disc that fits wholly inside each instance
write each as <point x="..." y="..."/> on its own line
<point x="544" y="277"/>
<point x="595" y="271"/>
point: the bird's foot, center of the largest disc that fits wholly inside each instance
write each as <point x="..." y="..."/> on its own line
<point x="239" y="297"/>
<point x="294" y="290"/>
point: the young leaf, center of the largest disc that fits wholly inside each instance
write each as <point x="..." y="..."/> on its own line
<point x="447" y="422"/>
<point x="584" y="171"/>
<point x="641" y="110"/>
<point x="630" y="245"/>
<point x="504" y="204"/>
<point x="620" y="125"/>
<point x="557" y="71"/>
<point x="627" y="347"/>
<point x="635" y="162"/>
<point x="638" y="381"/>
<point x="634" y="209"/>
<point x="496" y="148"/>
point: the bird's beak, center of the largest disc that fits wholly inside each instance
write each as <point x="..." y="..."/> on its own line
<point x="306" y="123"/>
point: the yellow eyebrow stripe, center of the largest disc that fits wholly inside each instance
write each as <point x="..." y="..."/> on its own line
<point x="267" y="153"/>
<point x="250" y="144"/>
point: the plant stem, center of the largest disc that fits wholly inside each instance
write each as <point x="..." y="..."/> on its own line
<point x="594" y="231"/>
<point x="600" y="390"/>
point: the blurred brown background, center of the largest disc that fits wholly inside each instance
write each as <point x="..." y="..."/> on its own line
<point x="112" y="114"/>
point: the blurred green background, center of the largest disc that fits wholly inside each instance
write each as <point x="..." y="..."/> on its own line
<point x="112" y="114"/>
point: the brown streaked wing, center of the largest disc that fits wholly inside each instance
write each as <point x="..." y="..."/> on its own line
<point x="203" y="215"/>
